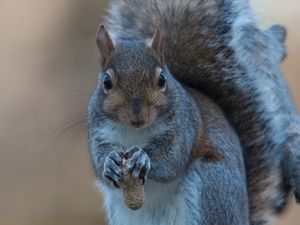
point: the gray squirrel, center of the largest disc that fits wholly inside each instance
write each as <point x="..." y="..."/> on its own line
<point x="217" y="48"/>
<point x="169" y="133"/>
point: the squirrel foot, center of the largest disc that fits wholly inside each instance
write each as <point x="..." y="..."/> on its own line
<point x="296" y="196"/>
<point x="296" y="192"/>
<point x="292" y="164"/>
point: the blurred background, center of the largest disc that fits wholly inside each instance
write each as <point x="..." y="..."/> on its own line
<point x="48" y="67"/>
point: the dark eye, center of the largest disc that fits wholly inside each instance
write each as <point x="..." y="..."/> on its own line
<point x="162" y="80"/>
<point x="107" y="82"/>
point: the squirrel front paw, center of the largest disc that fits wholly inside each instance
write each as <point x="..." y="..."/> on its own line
<point x="138" y="162"/>
<point x="113" y="169"/>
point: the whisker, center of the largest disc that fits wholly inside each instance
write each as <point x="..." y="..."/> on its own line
<point x="63" y="127"/>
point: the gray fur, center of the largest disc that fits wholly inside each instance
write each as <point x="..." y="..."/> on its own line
<point x="216" y="46"/>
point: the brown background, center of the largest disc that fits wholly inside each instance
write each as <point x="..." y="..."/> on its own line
<point x="48" y="65"/>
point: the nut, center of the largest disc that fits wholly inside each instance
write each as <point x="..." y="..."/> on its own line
<point x="133" y="190"/>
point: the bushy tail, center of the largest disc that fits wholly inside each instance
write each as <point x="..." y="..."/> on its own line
<point x="197" y="32"/>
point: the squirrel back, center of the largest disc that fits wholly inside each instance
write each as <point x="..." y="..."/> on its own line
<point x="216" y="47"/>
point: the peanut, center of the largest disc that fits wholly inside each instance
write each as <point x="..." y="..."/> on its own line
<point x="133" y="190"/>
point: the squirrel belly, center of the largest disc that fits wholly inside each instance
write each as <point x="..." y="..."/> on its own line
<point x="216" y="47"/>
<point x="164" y="204"/>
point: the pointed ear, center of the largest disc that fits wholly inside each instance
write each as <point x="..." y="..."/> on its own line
<point x="157" y="43"/>
<point x="104" y="42"/>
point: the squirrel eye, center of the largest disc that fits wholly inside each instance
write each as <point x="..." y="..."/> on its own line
<point x="162" y="80"/>
<point x="107" y="82"/>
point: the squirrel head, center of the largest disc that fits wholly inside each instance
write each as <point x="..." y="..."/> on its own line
<point x="134" y="85"/>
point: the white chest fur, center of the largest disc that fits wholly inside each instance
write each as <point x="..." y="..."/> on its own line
<point x="163" y="205"/>
<point x="127" y="136"/>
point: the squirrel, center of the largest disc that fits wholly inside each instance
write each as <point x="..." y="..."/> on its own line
<point x="215" y="46"/>
<point x="175" y="140"/>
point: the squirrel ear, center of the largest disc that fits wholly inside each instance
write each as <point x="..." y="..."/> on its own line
<point x="157" y="43"/>
<point x="104" y="42"/>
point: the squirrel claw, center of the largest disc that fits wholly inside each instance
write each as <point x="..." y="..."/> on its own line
<point x="138" y="163"/>
<point x="112" y="169"/>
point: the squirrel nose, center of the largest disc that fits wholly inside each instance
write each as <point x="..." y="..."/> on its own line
<point x="137" y="123"/>
<point x="137" y="117"/>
